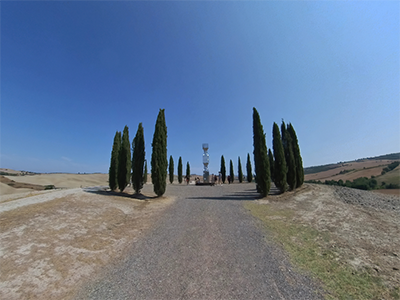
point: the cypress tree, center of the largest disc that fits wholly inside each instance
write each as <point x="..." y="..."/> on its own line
<point x="125" y="164"/>
<point x="248" y="167"/>
<point x="187" y="170"/>
<point x="138" y="158"/>
<point x="171" y="169"/>
<point x="261" y="161"/>
<point x="180" y="169"/>
<point x="297" y="156"/>
<point x="291" y="164"/>
<point x="113" y="171"/>
<point x="159" y="161"/>
<point x="240" y="172"/>
<point x="145" y="172"/>
<point x="280" y="162"/>
<point x="271" y="164"/>
<point x="223" y="169"/>
<point x="289" y="158"/>
<point x="231" y="172"/>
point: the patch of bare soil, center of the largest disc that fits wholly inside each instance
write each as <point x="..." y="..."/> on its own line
<point x="47" y="250"/>
<point x="362" y="236"/>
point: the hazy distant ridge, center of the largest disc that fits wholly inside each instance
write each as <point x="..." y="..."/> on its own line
<point x="321" y="168"/>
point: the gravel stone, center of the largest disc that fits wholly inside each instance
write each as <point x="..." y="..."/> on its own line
<point x="368" y="199"/>
<point x="205" y="246"/>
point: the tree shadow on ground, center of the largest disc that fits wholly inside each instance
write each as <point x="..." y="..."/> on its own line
<point x="119" y="194"/>
<point x="247" y="195"/>
<point x="239" y="196"/>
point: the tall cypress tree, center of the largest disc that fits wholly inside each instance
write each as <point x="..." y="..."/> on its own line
<point x="291" y="164"/>
<point x="240" y="172"/>
<point x="171" y="169"/>
<point x="187" y="170"/>
<point x="280" y="162"/>
<point x="223" y="169"/>
<point x="180" y="167"/>
<point x="297" y="156"/>
<point x="271" y="164"/>
<point x="138" y="158"/>
<point x="289" y="158"/>
<point x="125" y="164"/>
<point x="231" y="171"/>
<point x="248" y="167"/>
<point x="159" y="161"/>
<point x="113" y="171"/>
<point x="145" y="172"/>
<point x="261" y="161"/>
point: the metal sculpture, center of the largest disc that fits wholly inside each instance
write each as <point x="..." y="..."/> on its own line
<point x="206" y="161"/>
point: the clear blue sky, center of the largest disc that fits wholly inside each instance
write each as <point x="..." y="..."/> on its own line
<point x="73" y="73"/>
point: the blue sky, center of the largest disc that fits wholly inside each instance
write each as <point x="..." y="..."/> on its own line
<point x="73" y="73"/>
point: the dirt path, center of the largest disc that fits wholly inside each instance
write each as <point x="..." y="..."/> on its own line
<point x="206" y="246"/>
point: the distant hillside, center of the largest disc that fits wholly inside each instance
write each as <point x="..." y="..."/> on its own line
<point x="322" y="168"/>
<point x="392" y="156"/>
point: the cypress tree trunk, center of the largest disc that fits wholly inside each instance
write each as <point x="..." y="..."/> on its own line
<point x="138" y="159"/>
<point x="231" y="172"/>
<point x="171" y="169"/>
<point x="125" y="164"/>
<point x="271" y="164"/>
<point x="145" y="172"/>
<point x="280" y="162"/>
<point x="159" y="161"/>
<point x="223" y="169"/>
<point x="113" y="171"/>
<point x="297" y="156"/>
<point x="240" y="172"/>
<point x="249" y="171"/>
<point x="180" y="167"/>
<point x="261" y="161"/>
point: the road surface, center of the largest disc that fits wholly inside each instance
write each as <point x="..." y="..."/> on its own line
<point x="205" y="246"/>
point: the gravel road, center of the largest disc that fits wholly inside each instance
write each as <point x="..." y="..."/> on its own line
<point x="205" y="246"/>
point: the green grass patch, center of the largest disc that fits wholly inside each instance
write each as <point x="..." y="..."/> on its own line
<point x="310" y="250"/>
<point x="392" y="177"/>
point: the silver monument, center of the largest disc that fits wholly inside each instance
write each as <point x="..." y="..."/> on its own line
<point x="206" y="161"/>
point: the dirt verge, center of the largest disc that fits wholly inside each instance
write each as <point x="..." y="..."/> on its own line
<point x="48" y="249"/>
<point x="358" y="230"/>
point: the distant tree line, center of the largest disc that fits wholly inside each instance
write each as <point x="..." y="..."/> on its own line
<point x="125" y="169"/>
<point x="390" y="167"/>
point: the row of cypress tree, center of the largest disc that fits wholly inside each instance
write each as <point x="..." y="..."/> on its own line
<point x="171" y="169"/>
<point x="124" y="169"/>
<point x="240" y="172"/>
<point x="284" y="166"/>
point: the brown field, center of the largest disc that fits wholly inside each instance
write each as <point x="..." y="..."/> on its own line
<point x="365" y="168"/>
<point x="395" y="192"/>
